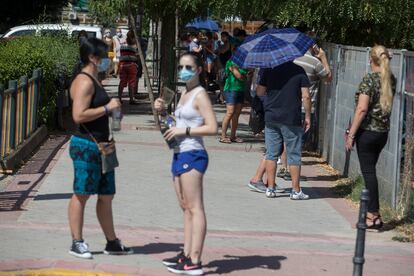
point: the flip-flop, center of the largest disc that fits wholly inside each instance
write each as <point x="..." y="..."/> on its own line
<point x="225" y="140"/>
<point x="237" y="140"/>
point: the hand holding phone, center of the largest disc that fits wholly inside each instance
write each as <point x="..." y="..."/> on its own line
<point x="315" y="49"/>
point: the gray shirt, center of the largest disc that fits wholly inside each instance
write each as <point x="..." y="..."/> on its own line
<point x="315" y="71"/>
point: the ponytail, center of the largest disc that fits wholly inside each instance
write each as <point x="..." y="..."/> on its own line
<point x="381" y="57"/>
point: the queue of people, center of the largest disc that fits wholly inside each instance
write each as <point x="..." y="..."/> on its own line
<point x="284" y="90"/>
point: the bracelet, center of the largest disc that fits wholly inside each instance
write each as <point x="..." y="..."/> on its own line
<point x="106" y="110"/>
<point x="187" y="131"/>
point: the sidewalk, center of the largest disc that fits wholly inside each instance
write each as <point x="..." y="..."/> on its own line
<point x="248" y="234"/>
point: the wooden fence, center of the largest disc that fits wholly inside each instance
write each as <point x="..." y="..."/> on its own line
<point x="19" y="108"/>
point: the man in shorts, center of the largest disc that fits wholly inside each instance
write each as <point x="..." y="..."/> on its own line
<point x="285" y="87"/>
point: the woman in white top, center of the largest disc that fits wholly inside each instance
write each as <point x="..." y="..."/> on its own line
<point x="195" y="118"/>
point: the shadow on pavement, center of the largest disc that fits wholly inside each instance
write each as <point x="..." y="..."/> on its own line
<point x="53" y="196"/>
<point x="236" y="263"/>
<point x="13" y="200"/>
<point x="155" y="248"/>
<point x="320" y="192"/>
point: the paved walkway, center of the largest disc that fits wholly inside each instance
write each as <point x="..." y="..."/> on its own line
<point x="248" y="234"/>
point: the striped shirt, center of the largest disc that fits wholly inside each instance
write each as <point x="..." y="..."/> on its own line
<point x="128" y="53"/>
<point x="315" y="71"/>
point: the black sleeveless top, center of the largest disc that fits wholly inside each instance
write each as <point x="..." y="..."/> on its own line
<point x="99" y="128"/>
<point x="224" y="57"/>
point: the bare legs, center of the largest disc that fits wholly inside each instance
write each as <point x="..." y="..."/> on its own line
<point x="226" y="120"/>
<point x="103" y="211"/>
<point x="235" y="120"/>
<point x="104" y="214"/>
<point x="260" y="171"/>
<point x="76" y="211"/>
<point x="189" y="189"/>
<point x="232" y="114"/>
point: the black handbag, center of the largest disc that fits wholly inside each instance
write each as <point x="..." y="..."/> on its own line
<point x="256" y="120"/>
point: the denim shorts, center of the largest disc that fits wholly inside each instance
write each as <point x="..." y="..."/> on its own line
<point x="89" y="179"/>
<point x="209" y="58"/>
<point x="234" y="97"/>
<point x="186" y="161"/>
<point x="276" y="135"/>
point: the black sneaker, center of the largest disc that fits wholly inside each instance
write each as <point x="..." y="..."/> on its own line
<point x="80" y="249"/>
<point x="115" y="247"/>
<point x="180" y="258"/>
<point x="187" y="268"/>
<point x="287" y="176"/>
<point x="282" y="172"/>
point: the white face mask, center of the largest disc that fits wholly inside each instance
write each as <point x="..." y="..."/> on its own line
<point x="195" y="40"/>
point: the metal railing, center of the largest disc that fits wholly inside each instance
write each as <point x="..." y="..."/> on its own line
<point x="19" y="107"/>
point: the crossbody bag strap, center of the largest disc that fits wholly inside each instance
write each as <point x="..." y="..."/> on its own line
<point x="90" y="134"/>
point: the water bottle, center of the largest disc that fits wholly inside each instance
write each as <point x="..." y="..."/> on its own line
<point x="116" y="119"/>
<point x="166" y="122"/>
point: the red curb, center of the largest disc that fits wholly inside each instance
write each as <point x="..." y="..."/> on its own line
<point x="25" y="264"/>
<point x="72" y="265"/>
<point x="111" y="268"/>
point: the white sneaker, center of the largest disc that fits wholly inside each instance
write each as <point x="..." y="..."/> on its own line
<point x="298" y="195"/>
<point x="270" y="193"/>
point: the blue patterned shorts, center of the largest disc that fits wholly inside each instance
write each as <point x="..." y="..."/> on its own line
<point x="89" y="179"/>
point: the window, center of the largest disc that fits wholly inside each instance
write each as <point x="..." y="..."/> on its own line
<point x="53" y="33"/>
<point x="23" y="33"/>
<point x="75" y="34"/>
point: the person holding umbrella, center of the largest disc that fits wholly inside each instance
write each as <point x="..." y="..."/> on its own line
<point x="284" y="86"/>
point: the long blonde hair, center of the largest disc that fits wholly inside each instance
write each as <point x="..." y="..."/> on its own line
<point x="381" y="57"/>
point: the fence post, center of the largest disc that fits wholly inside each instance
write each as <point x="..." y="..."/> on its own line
<point x="24" y="87"/>
<point x="1" y="119"/>
<point x="359" y="259"/>
<point x="13" y="86"/>
<point x="37" y="75"/>
<point x="399" y="100"/>
<point x="335" y="105"/>
<point x="367" y="63"/>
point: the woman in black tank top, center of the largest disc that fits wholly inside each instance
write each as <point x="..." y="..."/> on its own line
<point x="91" y="108"/>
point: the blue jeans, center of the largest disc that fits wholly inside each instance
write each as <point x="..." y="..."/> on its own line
<point x="276" y="135"/>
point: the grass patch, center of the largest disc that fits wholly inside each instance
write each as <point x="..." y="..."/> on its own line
<point x="351" y="189"/>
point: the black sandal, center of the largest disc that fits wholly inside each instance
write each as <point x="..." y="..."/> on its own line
<point x="375" y="225"/>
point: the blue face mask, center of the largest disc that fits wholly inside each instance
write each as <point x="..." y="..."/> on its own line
<point x="185" y="74"/>
<point x="104" y="65"/>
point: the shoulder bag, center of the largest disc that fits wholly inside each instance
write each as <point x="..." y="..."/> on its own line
<point x="109" y="159"/>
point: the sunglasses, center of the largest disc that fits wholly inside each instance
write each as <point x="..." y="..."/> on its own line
<point x="188" y="67"/>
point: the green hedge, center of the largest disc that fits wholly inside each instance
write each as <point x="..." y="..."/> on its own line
<point x="55" y="55"/>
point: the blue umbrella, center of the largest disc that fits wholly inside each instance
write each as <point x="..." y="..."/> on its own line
<point x="206" y="24"/>
<point x="272" y="48"/>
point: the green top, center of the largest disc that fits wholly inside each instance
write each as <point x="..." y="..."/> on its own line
<point x="233" y="83"/>
<point x="376" y="119"/>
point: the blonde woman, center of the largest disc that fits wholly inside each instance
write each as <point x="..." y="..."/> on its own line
<point x="371" y="124"/>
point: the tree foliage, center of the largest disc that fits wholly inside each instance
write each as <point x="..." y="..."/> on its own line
<point x="356" y="22"/>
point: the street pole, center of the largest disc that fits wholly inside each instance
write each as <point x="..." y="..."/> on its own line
<point x="359" y="259"/>
<point x="144" y="65"/>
